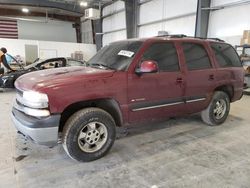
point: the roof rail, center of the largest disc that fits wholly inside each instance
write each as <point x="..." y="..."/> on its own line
<point x="217" y="39"/>
<point x="182" y="36"/>
<point x="173" y="36"/>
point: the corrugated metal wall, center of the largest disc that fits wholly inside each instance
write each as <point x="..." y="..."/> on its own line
<point x="154" y="16"/>
<point x="114" y="24"/>
<point x="178" y="17"/>
<point x="228" y="23"/>
<point x="164" y="15"/>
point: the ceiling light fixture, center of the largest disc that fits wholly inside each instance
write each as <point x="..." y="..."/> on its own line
<point x="25" y="10"/>
<point x="83" y="4"/>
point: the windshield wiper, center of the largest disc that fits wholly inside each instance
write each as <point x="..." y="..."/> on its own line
<point x="100" y="65"/>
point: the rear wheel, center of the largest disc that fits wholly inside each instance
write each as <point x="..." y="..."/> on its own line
<point x="217" y="111"/>
<point x="88" y="134"/>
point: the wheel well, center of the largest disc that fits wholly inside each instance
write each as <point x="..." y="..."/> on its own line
<point x="109" y="105"/>
<point x="227" y="89"/>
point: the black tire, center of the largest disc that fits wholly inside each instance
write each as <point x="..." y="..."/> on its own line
<point x="208" y="115"/>
<point x="77" y="123"/>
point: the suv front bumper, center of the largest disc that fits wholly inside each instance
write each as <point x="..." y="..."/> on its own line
<point x="42" y="131"/>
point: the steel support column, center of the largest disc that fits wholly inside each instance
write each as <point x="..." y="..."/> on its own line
<point x="77" y="26"/>
<point x="98" y="33"/>
<point x="131" y="9"/>
<point x="202" y="18"/>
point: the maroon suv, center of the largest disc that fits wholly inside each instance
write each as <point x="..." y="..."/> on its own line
<point x="127" y="82"/>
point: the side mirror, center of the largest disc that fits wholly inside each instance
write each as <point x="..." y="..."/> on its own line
<point x="148" y="66"/>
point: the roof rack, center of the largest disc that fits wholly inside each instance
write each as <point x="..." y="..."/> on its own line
<point x="173" y="36"/>
<point x="182" y="36"/>
<point x="217" y="39"/>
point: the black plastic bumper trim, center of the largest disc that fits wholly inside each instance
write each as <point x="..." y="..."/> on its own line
<point x="33" y="122"/>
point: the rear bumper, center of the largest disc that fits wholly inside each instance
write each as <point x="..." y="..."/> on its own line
<point x="42" y="131"/>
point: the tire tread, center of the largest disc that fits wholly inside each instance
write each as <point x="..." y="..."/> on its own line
<point x="71" y="122"/>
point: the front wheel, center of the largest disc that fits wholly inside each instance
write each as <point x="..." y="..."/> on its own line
<point x="217" y="111"/>
<point x="88" y="134"/>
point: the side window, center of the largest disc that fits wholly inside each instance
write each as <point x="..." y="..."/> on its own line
<point x="71" y="63"/>
<point x="225" y="55"/>
<point x="196" y="56"/>
<point x="165" y="55"/>
<point x="52" y="64"/>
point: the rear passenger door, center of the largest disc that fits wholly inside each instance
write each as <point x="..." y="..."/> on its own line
<point x="200" y="76"/>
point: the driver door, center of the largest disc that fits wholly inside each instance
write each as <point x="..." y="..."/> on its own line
<point x="157" y="95"/>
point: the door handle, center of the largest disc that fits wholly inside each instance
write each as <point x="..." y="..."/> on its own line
<point x="179" y="80"/>
<point x="211" y="77"/>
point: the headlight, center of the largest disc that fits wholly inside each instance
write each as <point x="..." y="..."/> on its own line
<point x="33" y="99"/>
<point x="32" y="111"/>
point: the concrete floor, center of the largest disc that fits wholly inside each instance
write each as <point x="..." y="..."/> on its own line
<point x="181" y="152"/>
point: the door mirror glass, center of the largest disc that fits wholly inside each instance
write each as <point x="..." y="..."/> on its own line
<point x="148" y="66"/>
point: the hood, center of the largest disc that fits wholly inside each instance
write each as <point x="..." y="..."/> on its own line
<point x="59" y="77"/>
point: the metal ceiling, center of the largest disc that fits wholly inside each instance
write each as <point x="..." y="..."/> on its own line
<point x="40" y="10"/>
<point x="59" y="7"/>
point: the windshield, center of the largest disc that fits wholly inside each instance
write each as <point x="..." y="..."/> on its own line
<point x="117" y="56"/>
<point x="36" y="62"/>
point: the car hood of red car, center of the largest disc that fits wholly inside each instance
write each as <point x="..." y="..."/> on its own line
<point x="59" y="77"/>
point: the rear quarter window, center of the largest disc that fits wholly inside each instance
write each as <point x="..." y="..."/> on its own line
<point x="225" y="55"/>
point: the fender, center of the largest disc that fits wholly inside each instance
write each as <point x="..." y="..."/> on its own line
<point x="109" y="105"/>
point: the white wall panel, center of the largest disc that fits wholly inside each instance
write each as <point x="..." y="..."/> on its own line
<point x="118" y="5"/>
<point x="184" y="25"/>
<point x="179" y="7"/>
<point x="115" y="36"/>
<point x="229" y="23"/>
<point x="160" y="9"/>
<point x="150" y="30"/>
<point x="114" y="22"/>
<point x="151" y="11"/>
<point x="63" y="49"/>
<point x="222" y="2"/>
<point x="51" y="31"/>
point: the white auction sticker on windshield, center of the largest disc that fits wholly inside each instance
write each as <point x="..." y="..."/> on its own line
<point x="126" y="53"/>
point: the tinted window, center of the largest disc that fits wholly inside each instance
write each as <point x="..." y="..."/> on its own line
<point x="196" y="56"/>
<point x="225" y="55"/>
<point x="164" y="54"/>
<point x="71" y="63"/>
